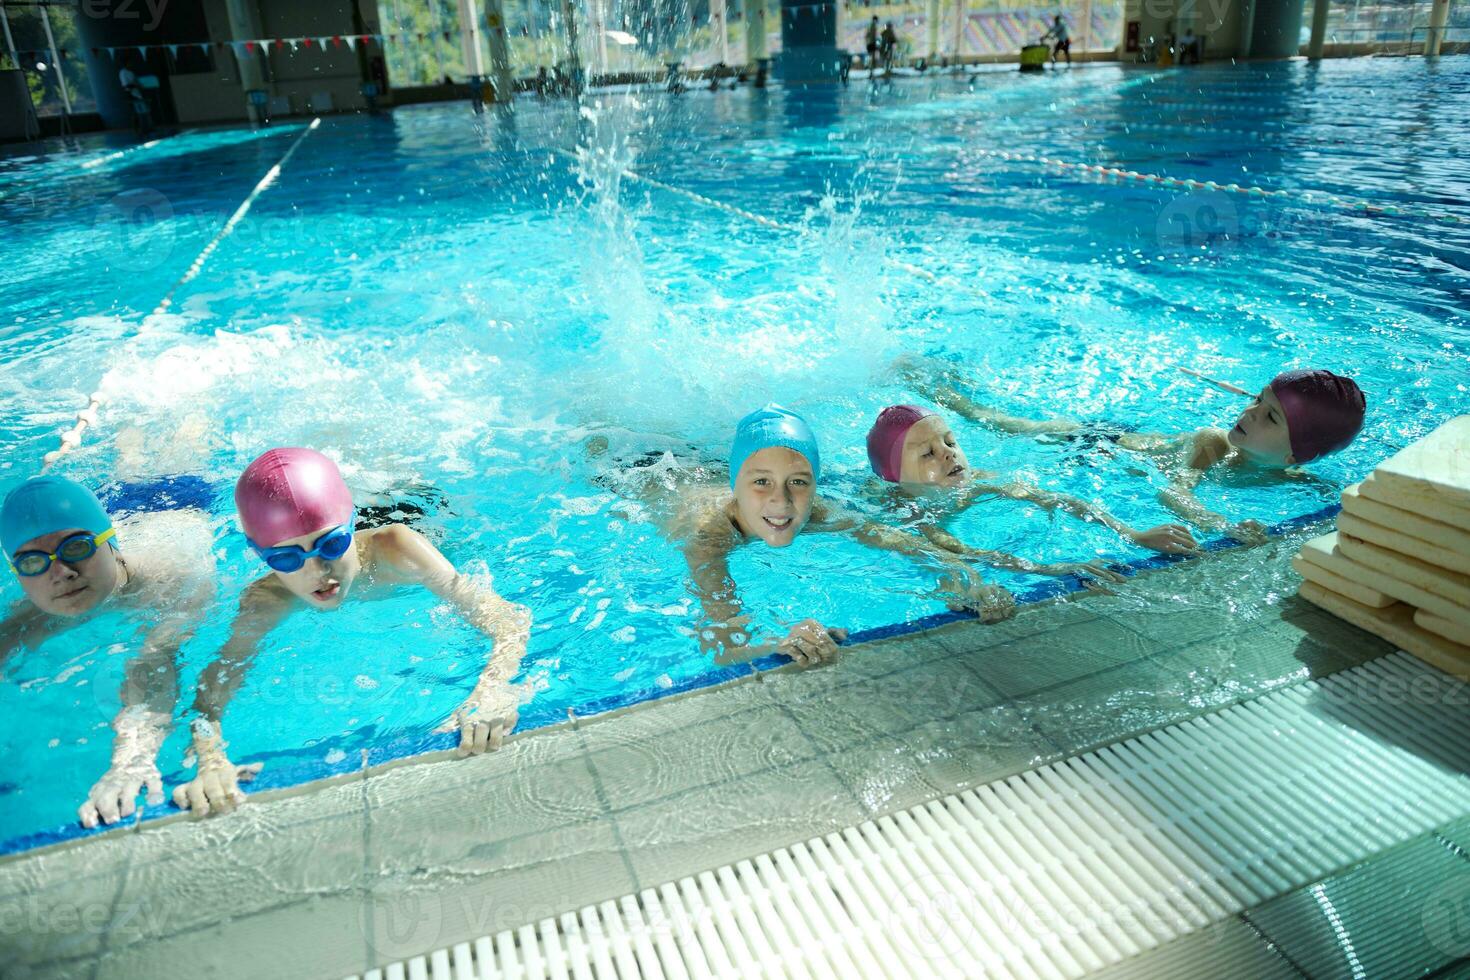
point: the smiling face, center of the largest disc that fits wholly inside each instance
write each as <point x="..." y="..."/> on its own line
<point x="774" y="492"/>
<point x="67" y="589"/>
<point x="931" y="455"/>
<point x="323" y="584"/>
<point x="1261" y="432"/>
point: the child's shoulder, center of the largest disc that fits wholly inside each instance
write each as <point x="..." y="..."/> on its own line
<point x="393" y="544"/>
<point x="1208" y="446"/>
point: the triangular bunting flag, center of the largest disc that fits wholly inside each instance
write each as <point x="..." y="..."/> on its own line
<point x="173" y="49"/>
<point x="239" y="47"/>
<point x="250" y="47"/>
<point x="111" y="53"/>
<point x="351" y="42"/>
<point x="336" y="40"/>
<point x="204" y="47"/>
<point x="279" y="43"/>
<point x="293" y="41"/>
<point x="322" y="42"/>
<point x="143" y="50"/>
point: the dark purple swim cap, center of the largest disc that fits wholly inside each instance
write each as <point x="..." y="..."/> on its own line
<point x="1324" y="411"/>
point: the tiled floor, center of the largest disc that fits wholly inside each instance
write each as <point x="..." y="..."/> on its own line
<point x="395" y="862"/>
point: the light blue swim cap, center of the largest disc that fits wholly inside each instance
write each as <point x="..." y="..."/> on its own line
<point x="773" y="426"/>
<point x="44" y="505"/>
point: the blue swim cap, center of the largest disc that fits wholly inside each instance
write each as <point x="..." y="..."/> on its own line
<point x="44" y="505"/>
<point x="773" y="426"/>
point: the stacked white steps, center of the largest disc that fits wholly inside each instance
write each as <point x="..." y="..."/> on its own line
<point x="1398" y="564"/>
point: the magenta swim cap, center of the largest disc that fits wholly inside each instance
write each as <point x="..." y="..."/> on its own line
<point x="286" y="493"/>
<point x="885" y="438"/>
<point x="1324" y="411"/>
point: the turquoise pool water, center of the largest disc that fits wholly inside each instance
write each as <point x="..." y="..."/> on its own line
<point x="452" y="306"/>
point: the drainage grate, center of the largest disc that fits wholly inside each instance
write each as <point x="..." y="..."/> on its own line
<point x="1055" y="872"/>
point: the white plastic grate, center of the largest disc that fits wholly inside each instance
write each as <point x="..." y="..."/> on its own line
<point x="1051" y="873"/>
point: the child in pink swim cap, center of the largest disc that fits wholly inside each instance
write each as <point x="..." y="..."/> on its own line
<point x="1299" y="417"/>
<point x="916" y="450"/>
<point x="298" y="518"/>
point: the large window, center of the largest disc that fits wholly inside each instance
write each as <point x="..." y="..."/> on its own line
<point x="983" y="27"/>
<point x="53" y="78"/>
<point x="1386" y="24"/>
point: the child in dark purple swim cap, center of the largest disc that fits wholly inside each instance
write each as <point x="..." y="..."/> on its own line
<point x="1299" y="417"/>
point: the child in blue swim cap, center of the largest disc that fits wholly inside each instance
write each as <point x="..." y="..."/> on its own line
<point x="63" y="550"/>
<point x="775" y="467"/>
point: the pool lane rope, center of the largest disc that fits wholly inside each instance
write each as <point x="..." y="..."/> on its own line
<point x="1317" y="198"/>
<point x="87" y="417"/>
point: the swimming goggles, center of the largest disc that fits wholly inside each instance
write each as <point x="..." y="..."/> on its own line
<point x="73" y="550"/>
<point x="328" y="547"/>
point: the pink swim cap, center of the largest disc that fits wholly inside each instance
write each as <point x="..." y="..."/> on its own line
<point x="1324" y="411"/>
<point x="885" y="438"/>
<point x="286" y="493"/>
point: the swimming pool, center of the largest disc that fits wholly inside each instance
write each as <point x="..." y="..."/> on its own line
<point x="451" y="306"/>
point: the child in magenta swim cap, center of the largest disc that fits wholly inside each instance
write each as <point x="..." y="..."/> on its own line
<point x="298" y="518"/>
<point x="1299" y="417"/>
<point x="772" y="497"/>
<point x="915" y="449"/>
<point x="63" y="549"/>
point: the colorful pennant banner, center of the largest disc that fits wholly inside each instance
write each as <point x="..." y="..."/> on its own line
<point x="250" y="46"/>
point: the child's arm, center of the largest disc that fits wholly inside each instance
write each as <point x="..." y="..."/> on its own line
<point x="1000" y="559"/>
<point x="1169" y="538"/>
<point x="724" y="629"/>
<point x="1180" y="498"/>
<point x="992" y="603"/>
<point x="215" y="786"/>
<point x="27" y="626"/>
<point x="492" y="709"/>
<point x="937" y="383"/>
<point x="149" y="693"/>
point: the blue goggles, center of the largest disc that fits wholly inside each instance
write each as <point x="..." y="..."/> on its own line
<point x="328" y="547"/>
<point x="73" y="550"/>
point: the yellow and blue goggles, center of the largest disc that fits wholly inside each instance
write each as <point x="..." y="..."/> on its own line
<point x="73" y="550"/>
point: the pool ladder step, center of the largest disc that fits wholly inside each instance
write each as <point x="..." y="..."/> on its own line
<point x="1056" y="872"/>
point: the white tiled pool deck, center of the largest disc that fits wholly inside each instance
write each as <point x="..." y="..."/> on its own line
<point x="390" y="863"/>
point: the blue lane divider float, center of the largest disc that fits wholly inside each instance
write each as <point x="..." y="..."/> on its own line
<point x="296" y="767"/>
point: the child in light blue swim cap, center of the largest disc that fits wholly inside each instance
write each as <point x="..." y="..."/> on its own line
<point x="62" y="548"/>
<point x="775" y="466"/>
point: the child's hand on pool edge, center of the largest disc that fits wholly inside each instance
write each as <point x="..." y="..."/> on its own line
<point x="215" y="787"/>
<point x="965" y="590"/>
<point x="114" y="797"/>
<point x="1170" y="539"/>
<point x="809" y="643"/>
<point x="1091" y="570"/>
<point x="1248" y="532"/>
<point x="484" y="719"/>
